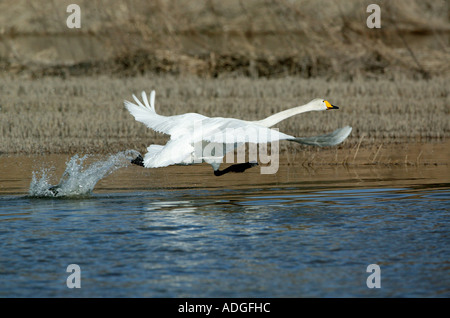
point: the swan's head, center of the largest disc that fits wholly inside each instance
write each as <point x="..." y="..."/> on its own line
<point x="321" y="104"/>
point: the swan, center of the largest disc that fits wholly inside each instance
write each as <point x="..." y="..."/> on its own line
<point x="192" y="134"/>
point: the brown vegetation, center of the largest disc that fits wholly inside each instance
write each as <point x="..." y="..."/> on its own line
<point x="270" y="38"/>
<point x="87" y="114"/>
<point x="62" y="90"/>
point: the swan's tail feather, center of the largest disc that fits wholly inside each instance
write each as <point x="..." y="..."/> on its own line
<point x="331" y="139"/>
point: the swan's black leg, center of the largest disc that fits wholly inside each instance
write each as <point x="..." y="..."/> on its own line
<point x="240" y="167"/>
<point x="138" y="161"/>
<point x="54" y="190"/>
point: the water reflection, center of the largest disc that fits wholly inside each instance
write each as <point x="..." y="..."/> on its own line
<point x="289" y="235"/>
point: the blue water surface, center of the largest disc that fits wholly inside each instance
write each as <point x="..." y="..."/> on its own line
<point x="257" y="242"/>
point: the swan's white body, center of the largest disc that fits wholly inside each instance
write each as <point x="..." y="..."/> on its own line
<point x="191" y="134"/>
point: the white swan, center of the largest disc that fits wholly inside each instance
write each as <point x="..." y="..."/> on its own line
<point x="195" y="138"/>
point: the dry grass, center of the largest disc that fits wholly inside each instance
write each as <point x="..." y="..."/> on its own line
<point x="62" y="91"/>
<point x="87" y="114"/>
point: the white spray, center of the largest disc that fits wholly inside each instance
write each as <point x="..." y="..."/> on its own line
<point x="78" y="180"/>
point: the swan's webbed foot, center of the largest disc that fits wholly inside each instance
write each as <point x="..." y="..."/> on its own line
<point x="138" y="161"/>
<point x="54" y="190"/>
<point x="240" y="167"/>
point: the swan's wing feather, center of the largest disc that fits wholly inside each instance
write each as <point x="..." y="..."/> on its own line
<point x="230" y="130"/>
<point x="152" y="100"/>
<point x="171" y="125"/>
<point x="174" y="152"/>
<point x="148" y="117"/>
<point x="138" y="101"/>
<point x="145" y="100"/>
<point x="331" y="139"/>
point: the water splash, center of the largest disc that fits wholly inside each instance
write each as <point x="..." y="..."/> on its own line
<point x="78" y="180"/>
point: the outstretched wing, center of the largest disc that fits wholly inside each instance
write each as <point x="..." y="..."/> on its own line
<point x="146" y="114"/>
<point x="230" y="130"/>
<point x="331" y="139"/>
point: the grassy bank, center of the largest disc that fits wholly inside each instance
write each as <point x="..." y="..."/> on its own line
<point x="86" y="114"/>
<point x="62" y="90"/>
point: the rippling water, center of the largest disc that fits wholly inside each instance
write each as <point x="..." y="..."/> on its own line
<point x="182" y="232"/>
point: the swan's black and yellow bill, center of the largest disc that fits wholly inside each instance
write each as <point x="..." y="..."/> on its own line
<point x="329" y="106"/>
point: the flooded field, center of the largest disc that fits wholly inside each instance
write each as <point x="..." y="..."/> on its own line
<point x="182" y="232"/>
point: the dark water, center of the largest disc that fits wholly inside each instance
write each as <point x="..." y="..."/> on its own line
<point x="181" y="232"/>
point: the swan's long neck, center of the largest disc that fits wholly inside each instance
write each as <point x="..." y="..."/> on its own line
<point x="276" y="118"/>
